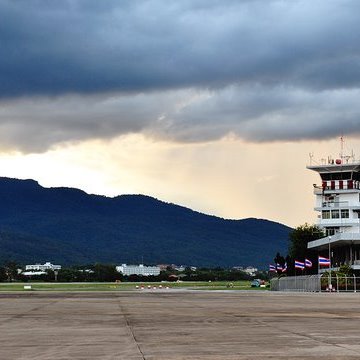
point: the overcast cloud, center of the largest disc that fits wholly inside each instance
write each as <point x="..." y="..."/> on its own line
<point x="184" y="71"/>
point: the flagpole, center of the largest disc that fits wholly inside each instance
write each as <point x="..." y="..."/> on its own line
<point x="329" y="265"/>
<point x="319" y="271"/>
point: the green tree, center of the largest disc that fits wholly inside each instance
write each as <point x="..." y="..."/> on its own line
<point x="299" y="239"/>
<point x="11" y="270"/>
<point x="105" y="272"/>
<point x="3" y="275"/>
<point x="279" y="260"/>
<point x="345" y="270"/>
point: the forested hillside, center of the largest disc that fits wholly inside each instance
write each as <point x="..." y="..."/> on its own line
<point x="68" y="226"/>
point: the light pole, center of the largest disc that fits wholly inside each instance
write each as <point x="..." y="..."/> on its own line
<point x="330" y="287"/>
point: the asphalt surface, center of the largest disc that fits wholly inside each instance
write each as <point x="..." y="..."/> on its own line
<point x="171" y="325"/>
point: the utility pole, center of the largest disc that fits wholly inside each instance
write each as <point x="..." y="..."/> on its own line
<point x="330" y="286"/>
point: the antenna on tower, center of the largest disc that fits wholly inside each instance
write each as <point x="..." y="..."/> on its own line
<point x="311" y="155"/>
<point x="344" y="157"/>
<point x="341" y="147"/>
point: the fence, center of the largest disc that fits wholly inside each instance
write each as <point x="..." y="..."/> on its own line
<point x="316" y="283"/>
<point x="309" y="283"/>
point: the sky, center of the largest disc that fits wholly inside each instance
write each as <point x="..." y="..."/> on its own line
<point x="214" y="105"/>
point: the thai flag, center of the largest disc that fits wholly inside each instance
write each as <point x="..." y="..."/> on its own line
<point x="272" y="268"/>
<point x="323" y="261"/>
<point x="308" y="263"/>
<point x="299" y="265"/>
<point x="279" y="267"/>
<point x="284" y="268"/>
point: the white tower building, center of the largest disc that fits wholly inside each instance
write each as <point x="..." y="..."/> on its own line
<point x="338" y="202"/>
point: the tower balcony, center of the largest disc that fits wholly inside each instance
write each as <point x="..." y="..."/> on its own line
<point x="333" y="205"/>
<point x="328" y="187"/>
<point x="329" y="205"/>
<point x="341" y="222"/>
<point x="338" y="239"/>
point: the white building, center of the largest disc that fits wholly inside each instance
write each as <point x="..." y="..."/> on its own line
<point x="138" y="270"/>
<point x="44" y="267"/>
<point x="250" y="270"/>
<point x="338" y="204"/>
<point x="33" y="273"/>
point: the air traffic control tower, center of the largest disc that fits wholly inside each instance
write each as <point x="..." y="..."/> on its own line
<point x="338" y="202"/>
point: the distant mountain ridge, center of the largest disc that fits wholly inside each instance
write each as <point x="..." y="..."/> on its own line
<point x="69" y="226"/>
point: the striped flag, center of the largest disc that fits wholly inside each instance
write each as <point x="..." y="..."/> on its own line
<point x="323" y="261"/>
<point x="279" y="267"/>
<point x="272" y="268"/>
<point x="308" y="263"/>
<point x="284" y="268"/>
<point x="299" y="265"/>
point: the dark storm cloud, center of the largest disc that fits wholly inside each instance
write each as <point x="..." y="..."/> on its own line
<point x="186" y="70"/>
<point x="90" y="46"/>
<point x="262" y="113"/>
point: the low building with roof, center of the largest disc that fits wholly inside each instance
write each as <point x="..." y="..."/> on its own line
<point x="138" y="270"/>
<point x="42" y="267"/>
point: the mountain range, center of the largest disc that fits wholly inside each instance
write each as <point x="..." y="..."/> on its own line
<point x="68" y="226"/>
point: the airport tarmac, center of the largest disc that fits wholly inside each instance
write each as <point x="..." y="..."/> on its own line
<point x="174" y="325"/>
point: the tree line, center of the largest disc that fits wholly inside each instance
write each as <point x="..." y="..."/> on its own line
<point x="9" y="272"/>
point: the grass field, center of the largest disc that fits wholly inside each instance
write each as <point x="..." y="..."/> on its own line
<point x="37" y="286"/>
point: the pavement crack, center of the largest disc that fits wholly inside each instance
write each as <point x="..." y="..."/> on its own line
<point x="301" y="334"/>
<point x="130" y="329"/>
<point x="25" y="313"/>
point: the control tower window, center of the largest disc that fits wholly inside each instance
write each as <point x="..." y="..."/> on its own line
<point x="329" y="231"/>
<point x="346" y="175"/>
<point x="344" y="213"/>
